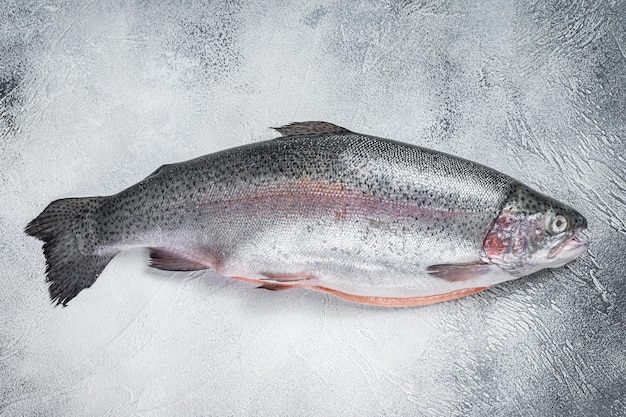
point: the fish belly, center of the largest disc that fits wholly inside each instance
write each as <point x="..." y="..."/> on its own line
<point x="368" y="253"/>
<point x="354" y="258"/>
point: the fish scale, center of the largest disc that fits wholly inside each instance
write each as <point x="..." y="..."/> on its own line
<point x="365" y="218"/>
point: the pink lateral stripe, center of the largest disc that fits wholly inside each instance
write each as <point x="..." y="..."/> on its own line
<point x="306" y="196"/>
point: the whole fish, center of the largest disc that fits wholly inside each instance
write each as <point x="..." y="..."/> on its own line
<point x="363" y="218"/>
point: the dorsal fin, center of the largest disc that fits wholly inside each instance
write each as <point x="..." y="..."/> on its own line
<point x="310" y="129"/>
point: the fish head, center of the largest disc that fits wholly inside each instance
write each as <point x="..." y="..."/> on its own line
<point x="533" y="232"/>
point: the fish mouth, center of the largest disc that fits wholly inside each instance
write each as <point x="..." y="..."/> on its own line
<point x="571" y="247"/>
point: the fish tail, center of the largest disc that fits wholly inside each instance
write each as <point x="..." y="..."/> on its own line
<point x="73" y="261"/>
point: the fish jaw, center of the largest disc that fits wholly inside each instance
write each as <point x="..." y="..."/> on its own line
<point x="568" y="250"/>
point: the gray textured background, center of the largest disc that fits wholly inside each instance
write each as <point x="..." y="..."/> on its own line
<point x="93" y="97"/>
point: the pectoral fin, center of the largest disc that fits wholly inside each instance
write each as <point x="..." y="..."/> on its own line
<point x="461" y="272"/>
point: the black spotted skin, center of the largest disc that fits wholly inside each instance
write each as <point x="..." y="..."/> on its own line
<point x="375" y="168"/>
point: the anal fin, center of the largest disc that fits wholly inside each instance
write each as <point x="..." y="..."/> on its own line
<point x="278" y="281"/>
<point x="171" y="259"/>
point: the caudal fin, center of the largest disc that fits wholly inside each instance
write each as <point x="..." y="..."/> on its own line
<point x="72" y="260"/>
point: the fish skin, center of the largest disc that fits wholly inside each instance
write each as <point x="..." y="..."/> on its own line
<point x="320" y="207"/>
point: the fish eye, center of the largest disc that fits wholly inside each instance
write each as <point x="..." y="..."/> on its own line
<point x="559" y="224"/>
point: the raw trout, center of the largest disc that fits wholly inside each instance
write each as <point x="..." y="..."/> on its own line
<point x="363" y="218"/>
